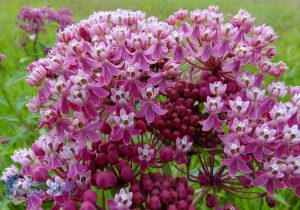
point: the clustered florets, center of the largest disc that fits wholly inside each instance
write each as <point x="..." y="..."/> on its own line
<point x="33" y="20"/>
<point x="122" y="95"/>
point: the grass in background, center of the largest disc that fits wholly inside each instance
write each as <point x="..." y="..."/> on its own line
<point x="17" y="125"/>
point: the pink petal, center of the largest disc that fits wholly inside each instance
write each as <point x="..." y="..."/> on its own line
<point x="158" y="110"/>
<point x="243" y="166"/>
<point x="205" y="52"/>
<point x="126" y="137"/>
<point x="35" y="201"/>
<point x="278" y="184"/>
<point x="118" y="134"/>
<point x="258" y="153"/>
<point x="250" y="148"/>
<point x="270" y="186"/>
<point x="260" y="180"/>
<point x="149" y="115"/>
<point x="178" y="54"/>
<point x="207" y="124"/>
<point x="233" y="167"/>
<point x="93" y="135"/>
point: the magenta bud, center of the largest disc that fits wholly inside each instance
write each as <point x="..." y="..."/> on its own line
<point x="127" y="173"/>
<point x="204" y="179"/>
<point x="166" y="155"/>
<point x="174" y="95"/>
<point x="87" y="205"/>
<point x="232" y="87"/>
<point x="210" y="201"/>
<point x="122" y="164"/>
<point x="204" y="92"/>
<point x="134" y="187"/>
<point x="141" y="125"/>
<point x="101" y="160"/>
<point x="113" y="157"/>
<point x="165" y="196"/>
<point x="105" y="128"/>
<point x="84" y="34"/>
<point x="245" y="180"/>
<point x="190" y="190"/>
<point x="106" y="180"/>
<point x="212" y="79"/>
<point x="172" y="207"/>
<point x="155" y="192"/>
<point x="90" y="195"/>
<point x="70" y="205"/>
<point x="181" y="191"/>
<point x="148" y="185"/>
<point x="40" y="173"/>
<point x="195" y="93"/>
<point x="189" y="199"/>
<point x="182" y="205"/>
<point x="174" y="196"/>
<point x="129" y="151"/>
<point x="37" y="150"/>
<point x="271" y="202"/>
<point x="137" y="198"/>
<point x="154" y="203"/>
<point x="190" y="102"/>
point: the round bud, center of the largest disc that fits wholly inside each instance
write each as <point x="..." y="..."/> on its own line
<point x="87" y="205"/>
<point x="172" y="207"/>
<point x="106" y="180"/>
<point x="165" y="196"/>
<point x="137" y="198"/>
<point x="210" y="201"/>
<point x="154" y="203"/>
<point x="204" y="92"/>
<point x="148" y="185"/>
<point x="70" y="205"/>
<point x="271" y="202"/>
<point x="101" y="161"/>
<point x="141" y="125"/>
<point x="127" y="173"/>
<point x="182" y="205"/>
<point x="90" y="195"/>
<point x="105" y="128"/>
<point x="113" y="157"/>
<point x="166" y="155"/>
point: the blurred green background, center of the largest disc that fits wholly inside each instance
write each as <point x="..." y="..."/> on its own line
<point x="18" y="126"/>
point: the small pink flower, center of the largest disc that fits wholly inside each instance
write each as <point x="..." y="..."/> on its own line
<point x="217" y="88"/>
<point x="183" y="145"/>
<point x="146" y="156"/>
<point x="122" y="201"/>
<point x="213" y="106"/>
<point x="274" y="171"/>
<point x="149" y="106"/>
<point x="124" y="127"/>
<point x="235" y="160"/>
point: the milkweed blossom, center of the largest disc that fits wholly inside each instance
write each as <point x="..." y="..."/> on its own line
<point x="127" y="99"/>
<point x="33" y="20"/>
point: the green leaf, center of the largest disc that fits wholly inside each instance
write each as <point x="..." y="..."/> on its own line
<point x="23" y="60"/>
<point x="281" y="199"/>
<point x="20" y="76"/>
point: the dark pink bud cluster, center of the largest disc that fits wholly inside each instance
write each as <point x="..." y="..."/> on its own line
<point x="184" y="114"/>
<point x="122" y="96"/>
<point x="34" y="20"/>
<point x="162" y="191"/>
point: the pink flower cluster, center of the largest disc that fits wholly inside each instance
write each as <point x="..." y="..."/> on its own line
<point x="122" y="95"/>
<point x="33" y="20"/>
